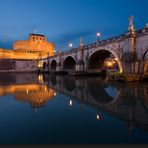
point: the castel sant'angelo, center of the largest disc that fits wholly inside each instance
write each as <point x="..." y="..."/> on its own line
<point x="25" y="55"/>
<point x="36" y="47"/>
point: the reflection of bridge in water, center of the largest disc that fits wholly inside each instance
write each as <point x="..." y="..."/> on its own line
<point x="126" y="102"/>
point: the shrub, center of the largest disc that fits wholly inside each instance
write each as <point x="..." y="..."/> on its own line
<point x="119" y="76"/>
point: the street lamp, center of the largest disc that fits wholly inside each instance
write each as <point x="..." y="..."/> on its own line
<point x="70" y="45"/>
<point x="54" y="52"/>
<point x="98" y="36"/>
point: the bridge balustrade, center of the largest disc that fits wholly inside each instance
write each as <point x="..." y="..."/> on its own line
<point x="96" y="44"/>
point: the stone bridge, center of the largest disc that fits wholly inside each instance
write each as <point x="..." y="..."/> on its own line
<point x="128" y="52"/>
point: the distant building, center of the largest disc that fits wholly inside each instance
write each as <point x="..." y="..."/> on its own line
<point x="34" y="48"/>
<point x="26" y="52"/>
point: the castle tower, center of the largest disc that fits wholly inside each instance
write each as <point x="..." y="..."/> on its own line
<point x="35" y="45"/>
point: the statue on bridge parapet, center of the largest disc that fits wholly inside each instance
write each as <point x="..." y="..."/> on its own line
<point x="131" y="26"/>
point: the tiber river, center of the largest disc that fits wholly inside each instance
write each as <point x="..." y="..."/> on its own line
<point x="48" y="109"/>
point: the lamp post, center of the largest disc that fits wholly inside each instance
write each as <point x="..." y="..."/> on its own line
<point x="70" y="46"/>
<point x="98" y="36"/>
<point x="54" y="52"/>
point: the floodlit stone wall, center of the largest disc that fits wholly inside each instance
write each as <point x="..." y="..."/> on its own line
<point x="26" y="65"/>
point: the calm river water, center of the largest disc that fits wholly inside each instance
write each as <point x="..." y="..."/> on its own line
<point x="47" y="109"/>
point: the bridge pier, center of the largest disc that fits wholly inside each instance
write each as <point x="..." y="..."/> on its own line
<point x="131" y="68"/>
<point x="58" y="67"/>
<point x="79" y="67"/>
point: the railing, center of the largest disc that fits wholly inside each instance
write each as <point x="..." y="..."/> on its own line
<point x="93" y="45"/>
<point x="141" y="32"/>
<point x="104" y="42"/>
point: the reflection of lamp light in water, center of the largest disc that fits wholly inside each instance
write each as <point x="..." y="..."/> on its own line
<point x="40" y="78"/>
<point x="27" y="91"/>
<point x="98" y="117"/>
<point x="70" y="103"/>
<point x="45" y="88"/>
<point x="55" y="94"/>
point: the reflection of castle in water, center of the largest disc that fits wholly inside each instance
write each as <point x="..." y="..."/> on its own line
<point x="35" y="94"/>
<point x="126" y="102"/>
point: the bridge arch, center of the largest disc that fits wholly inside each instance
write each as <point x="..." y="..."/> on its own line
<point x="53" y="65"/>
<point x="97" y="91"/>
<point x="69" y="63"/>
<point x="53" y="80"/>
<point x="97" y="58"/>
<point x="69" y="84"/>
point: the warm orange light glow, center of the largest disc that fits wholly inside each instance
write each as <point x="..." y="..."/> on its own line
<point x="40" y="64"/>
<point x="116" y="59"/>
<point x="32" y="93"/>
<point x="27" y="91"/>
<point x="109" y="63"/>
<point x="40" y="79"/>
<point x="45" y="89"/>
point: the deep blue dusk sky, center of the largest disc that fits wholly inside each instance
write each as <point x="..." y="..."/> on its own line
<point x="64" y="21"/>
